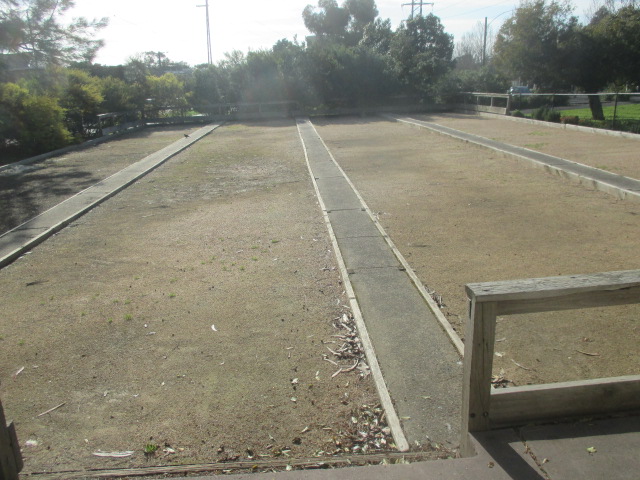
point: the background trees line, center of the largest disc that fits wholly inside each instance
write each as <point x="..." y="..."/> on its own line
<point x="352" y="58"/>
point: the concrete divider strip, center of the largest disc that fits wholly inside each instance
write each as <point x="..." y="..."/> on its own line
<point x="392" y="417"/>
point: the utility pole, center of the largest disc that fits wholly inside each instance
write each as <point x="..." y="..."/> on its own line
<point x="209" y="52"/>
<point x="416" y="6"/>
<point x="484" y="42"/>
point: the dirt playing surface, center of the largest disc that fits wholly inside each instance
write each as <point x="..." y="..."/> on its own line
<point x="191" y="312"/>
<point x="462" y="214"/>
<point x="614" y="154"/>
<point x="27" y="190"/>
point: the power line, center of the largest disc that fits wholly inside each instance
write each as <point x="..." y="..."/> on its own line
<point x="209" y="52"/>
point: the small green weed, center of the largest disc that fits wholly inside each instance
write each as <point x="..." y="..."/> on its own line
<point x="151" y="449"/>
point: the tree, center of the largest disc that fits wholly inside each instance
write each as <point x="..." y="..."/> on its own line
<point x="167" y="93"/>
<point x="34" y="27"/>
<point x="329" y="21"/>
<point x="81" y="99"/>
<point x="472" y="45"/>
<point x="35" y="122"/>
<point x="377" y="36"/>
<point x="535" y="44"/>
<point x="422" y="51"/>
<point x="345" y="24"/>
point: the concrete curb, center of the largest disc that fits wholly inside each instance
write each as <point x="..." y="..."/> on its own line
<point x="433" y="306"/>
<point x="24" y="237"/>
<point x="385" y="398"/>
<point x="70" y="148"/>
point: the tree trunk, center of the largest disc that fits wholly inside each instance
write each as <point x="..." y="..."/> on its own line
<point x="596" y="107"/>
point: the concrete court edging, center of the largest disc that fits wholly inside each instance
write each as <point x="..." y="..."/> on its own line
<point x="433" y="306"/>
<point x="598" y="184"/>
<point x="385" y="398"/>
<point x="71" y="148"/>
<point x="35" y="240"/>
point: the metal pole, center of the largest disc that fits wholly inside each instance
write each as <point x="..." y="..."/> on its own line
<point x="209" y="51"/>
<point x="484" y="43"/>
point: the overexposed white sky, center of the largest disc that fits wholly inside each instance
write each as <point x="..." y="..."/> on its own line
<point x="178" y="27"/>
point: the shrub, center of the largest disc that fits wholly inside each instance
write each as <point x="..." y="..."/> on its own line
<point x="35" y="122"/>
<point x="573" y="120"/>
<point x="546" y="114"/>
<point x="517" y="113"/>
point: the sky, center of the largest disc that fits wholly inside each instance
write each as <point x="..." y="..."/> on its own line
<point x="178" y="27"/>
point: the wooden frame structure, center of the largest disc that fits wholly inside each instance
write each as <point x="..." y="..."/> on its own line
<point x="484" y="408"/>
<point x="10" y="456"/>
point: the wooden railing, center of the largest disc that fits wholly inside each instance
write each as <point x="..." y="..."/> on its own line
<point x="10" y="456"/>
<point x="484" y="408"/>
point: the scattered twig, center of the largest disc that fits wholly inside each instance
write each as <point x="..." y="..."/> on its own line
<point x="52" y="409"/>
<point x="326" y="358"/>
<point x="18" y="372"/>
<point x="124" y="454"/>
<point x="588" y="354"/>
<point x="521" y="366"/>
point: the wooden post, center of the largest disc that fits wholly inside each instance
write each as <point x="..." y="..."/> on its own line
<point x="10" y="457"/>
<point x="478" y="362"/>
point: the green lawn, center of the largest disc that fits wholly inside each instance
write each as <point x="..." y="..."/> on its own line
<point x="631" y="111"/>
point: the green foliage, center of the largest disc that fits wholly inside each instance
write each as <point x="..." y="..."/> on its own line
<point x="422" y="52"/>
<point x="116" y="94"/>
<point x="536" y="44"/>
<point x="167" y="94"/>
<point x="35" y="122"/>
<point x="81" y="99"/>
<point x="546" y="114"/>
<point x="34" y="27"/>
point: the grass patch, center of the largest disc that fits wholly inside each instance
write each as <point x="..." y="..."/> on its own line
<point x="624" y="111"/>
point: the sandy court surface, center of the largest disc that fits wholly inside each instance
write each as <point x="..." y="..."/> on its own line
<point x="27" y="190"/>
<point x="462" y="214"/>
<point x="114" y="319"/>
<point x="614" y="154"/>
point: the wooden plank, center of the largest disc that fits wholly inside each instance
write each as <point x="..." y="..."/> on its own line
<point x="243" y="465"/>
<point x="604" y="298"/>
<point x="530" y="403"/>
<point x="550" y="287"/>
<point x="8" y="461"/>
<point x="478" y="362"/>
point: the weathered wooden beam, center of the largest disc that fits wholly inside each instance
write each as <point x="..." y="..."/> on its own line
<point x="530" y="403"/>
<point x="549" y="288"/>
<point x="248" y="466"/>
<point x="483" y="408"/>
<point x="589" y="299"/>
<point x="478" y="362"/>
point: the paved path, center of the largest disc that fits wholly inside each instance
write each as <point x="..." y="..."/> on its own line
<point x="419" y="362"/>
<point x="21" y="239"/>
<point x="618" y="185"/>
